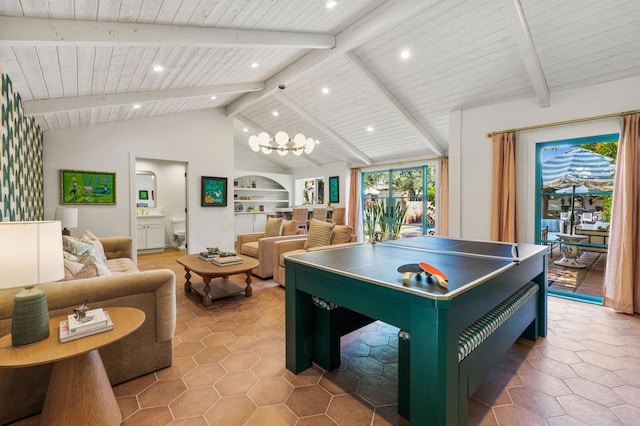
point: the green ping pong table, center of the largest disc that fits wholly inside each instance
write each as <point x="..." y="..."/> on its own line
<point x="364" y="280"/>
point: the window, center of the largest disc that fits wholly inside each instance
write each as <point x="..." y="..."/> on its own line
<point x="399" y="203"/>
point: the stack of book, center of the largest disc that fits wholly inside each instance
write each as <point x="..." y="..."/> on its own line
<point x="226" y="260"/>
<point x="205" y="255"/>
<point x="72" y="328"/>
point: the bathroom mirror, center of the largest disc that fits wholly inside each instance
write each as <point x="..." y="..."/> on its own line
<point x="146" y="189"/>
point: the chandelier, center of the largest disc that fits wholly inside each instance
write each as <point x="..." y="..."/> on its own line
<point x="281" y="143"/>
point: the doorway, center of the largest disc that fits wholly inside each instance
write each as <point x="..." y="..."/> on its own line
<point x="162" y="203"/>
<point x="574" y="188"/>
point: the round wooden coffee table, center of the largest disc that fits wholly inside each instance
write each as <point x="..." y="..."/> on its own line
<point x="79" y="390"/>
<point x="208" y="271"/>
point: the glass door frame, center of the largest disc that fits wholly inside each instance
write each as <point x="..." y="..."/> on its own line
<point x="390" y="199"/>
<point x="540" y="146"/>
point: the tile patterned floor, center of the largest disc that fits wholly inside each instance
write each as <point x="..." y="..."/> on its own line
<point x="229" y="370"/>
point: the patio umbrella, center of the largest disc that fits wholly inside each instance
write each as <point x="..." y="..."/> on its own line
<point x="575" y="167"/>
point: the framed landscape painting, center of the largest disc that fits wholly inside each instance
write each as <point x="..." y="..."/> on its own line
<point x="214" y="192"/>
<point x="85" y="187"/>
<point x="334" y="189"/>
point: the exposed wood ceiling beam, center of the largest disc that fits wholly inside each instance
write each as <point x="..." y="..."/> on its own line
<point x="377" y="84"/>
<point x="44" y="106"/>
<point x="321" y="126"/>
<point x="62" y="32"/>
<point x="372" y="25"/>
<point x="520" y="28"/>
<point x="250" y="124"/>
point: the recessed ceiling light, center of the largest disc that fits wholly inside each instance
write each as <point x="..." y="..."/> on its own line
<point x="317" y="142"/>
<point x="136" y="106"/>
<point x="331" y="4"/>
<point x="405" y="54"/>
<point x="325" y="90"/>
<point x="369" y="129"/>
<point x="275" y="113"/>
<point x="158" y="68"/>
<point x="213" y="98"/>
<point x="255" y="65"/>
<point x="244" y="129"/>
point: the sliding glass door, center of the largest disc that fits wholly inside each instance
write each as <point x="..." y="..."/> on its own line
<point x="399" y="203"/>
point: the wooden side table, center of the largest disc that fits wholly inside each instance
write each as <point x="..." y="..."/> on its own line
<point x="79" y="390"/>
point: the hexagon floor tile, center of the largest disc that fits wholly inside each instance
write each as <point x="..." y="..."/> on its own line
<point x="229" y="369"/>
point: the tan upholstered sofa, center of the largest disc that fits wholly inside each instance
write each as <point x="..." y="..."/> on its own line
<point x="257" y="245"/>
<point x="148" y="349"/>
<point x="284" y="248"/>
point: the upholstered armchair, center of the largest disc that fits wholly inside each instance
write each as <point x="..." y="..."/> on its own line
<point x="260" y="244"/>
<point x="340" y="236"/>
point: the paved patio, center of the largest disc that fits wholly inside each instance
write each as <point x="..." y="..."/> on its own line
<point x="580" y="281"/>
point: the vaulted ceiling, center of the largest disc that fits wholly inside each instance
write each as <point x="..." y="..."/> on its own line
<point x="86" y="62"/>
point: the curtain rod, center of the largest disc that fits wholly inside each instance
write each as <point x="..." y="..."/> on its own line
<point x="564" y="123"/>
<point x="400" y="163"/>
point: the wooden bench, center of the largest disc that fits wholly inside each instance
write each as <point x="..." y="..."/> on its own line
<point x="480" y="345"/>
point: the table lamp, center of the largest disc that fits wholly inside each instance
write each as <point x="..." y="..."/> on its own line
<point x="68" y="217"/>
<point x="30" y="254"/>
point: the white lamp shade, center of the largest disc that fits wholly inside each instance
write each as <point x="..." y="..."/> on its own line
<point x="299" y="140"/>
<point x="254" y="144"/>
<point x="310" y="145"/>
<point x="30" y="253"/>
<point x="68" y="216"/>
<point x="282" y="138"/>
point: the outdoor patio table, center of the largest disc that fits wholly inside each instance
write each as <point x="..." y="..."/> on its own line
<point x="570" y="252"/>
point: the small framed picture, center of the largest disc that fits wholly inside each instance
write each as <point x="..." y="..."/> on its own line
<point x="214" y="191"/>
<point x="334" y="189"/>
<point x="143" y="195"/>
<point x="85" y="187"/>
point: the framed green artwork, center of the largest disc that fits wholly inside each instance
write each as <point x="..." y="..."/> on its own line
<point x="84" y="187"/>
<point x="214" y="192"/>
<point x="334" y="189"/>
<point x="143" y="195"/>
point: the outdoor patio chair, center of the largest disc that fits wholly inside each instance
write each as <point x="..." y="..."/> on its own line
<point x="544" y="238"/>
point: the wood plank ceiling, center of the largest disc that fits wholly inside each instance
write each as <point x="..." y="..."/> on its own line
<point x="86" y="62"/>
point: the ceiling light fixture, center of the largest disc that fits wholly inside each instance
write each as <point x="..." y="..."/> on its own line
<point x="213" y="98"/>
<point x="331" y="4"/>
<point x="158" y="68"/>
<point x="325" y="90"/>
<point x="137" y="106"/>
<point x="369" y="129"/>
<point x="405" y="54"/>
<point x="254" y="65"/>
<point x="283" y="143"/>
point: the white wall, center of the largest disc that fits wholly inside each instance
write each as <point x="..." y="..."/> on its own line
<point x="171" y="196"/>
<point x="203" y="139"/>
<point x="472" y="179"/>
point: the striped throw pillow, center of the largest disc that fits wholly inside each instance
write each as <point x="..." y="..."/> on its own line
<point x="319" y="234"/>
<point x="273" y="227"/>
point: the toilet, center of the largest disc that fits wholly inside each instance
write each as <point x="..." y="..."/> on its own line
<point x="178" y="227"/>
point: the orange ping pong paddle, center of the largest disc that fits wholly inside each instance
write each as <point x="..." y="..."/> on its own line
<point x="437" y="274"/>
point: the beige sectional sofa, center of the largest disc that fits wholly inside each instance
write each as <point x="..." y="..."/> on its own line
<point x="291" y="247"/>
<point x="255" y="244"/>
<point x="22" y="390"/>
